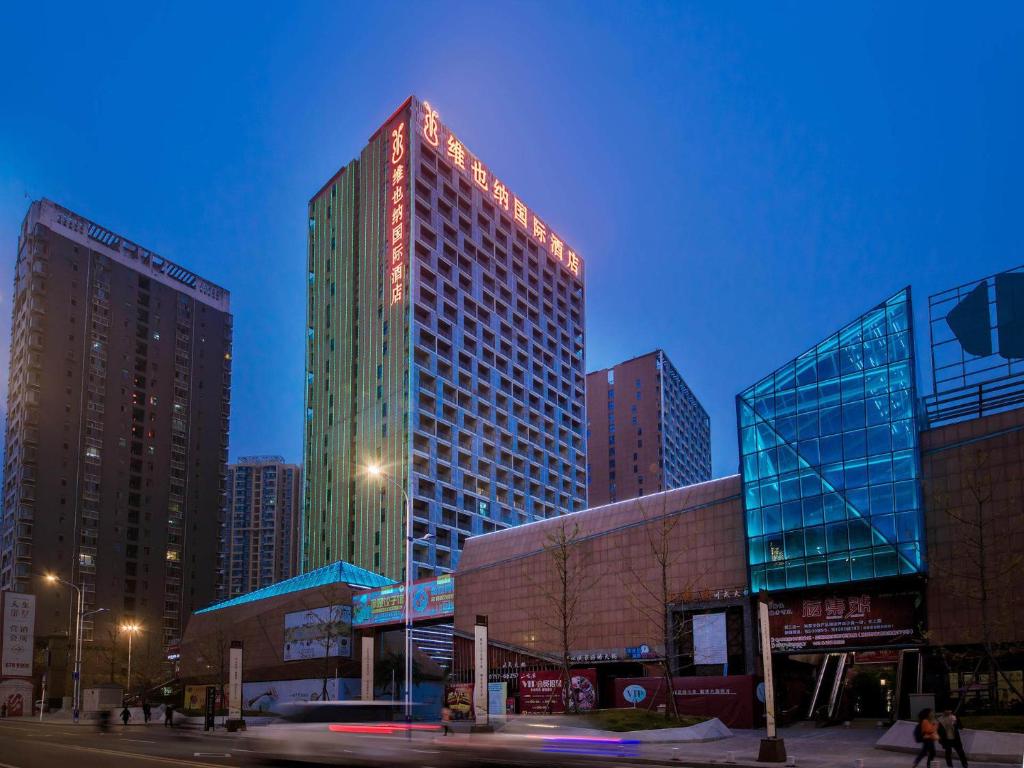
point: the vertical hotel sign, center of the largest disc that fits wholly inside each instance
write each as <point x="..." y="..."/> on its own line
<point x="19" y="620"/>
<point x="397" y="204"/>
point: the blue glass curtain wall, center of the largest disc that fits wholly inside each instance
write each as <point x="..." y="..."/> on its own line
<point x="829" y="458"/>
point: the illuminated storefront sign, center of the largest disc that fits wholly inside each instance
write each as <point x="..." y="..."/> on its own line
<point x="438" y="136"/>
<point x="397" y="205"/>
<point x="431" y="599"/>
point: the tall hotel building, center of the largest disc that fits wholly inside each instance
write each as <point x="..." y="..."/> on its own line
<point x="446" y="343"/>
<point x="117" y="429"/>
<point x="646" y="431"/>
<point x="260" y="537"/>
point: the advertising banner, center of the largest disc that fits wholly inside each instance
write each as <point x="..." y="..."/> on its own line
<point x="311" y="634"/>
<point x="709" y="643"/>
<point x="459" y="700"/>
<point x="541" y="692"/>
<point x="497" y="697"/>
<point x="831" y="620"/>
<point x="432" y="598"/>
<point x="19" y="622"/>
<point x="235" y="681"/>
<point x="730" y="699"/>
<point x="269" y="696"/>
<point x="195" y="698"/>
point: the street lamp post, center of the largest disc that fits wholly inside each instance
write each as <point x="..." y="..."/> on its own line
<point x="77" y="674"/>
<point x="80" y="614"/>
<point x="378" y="471"/>
<point x="131" y="629"/>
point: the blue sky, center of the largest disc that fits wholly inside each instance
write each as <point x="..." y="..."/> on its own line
<point x="741" y="178"/>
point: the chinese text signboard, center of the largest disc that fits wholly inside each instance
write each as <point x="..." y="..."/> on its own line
<point x="436" y="135"/>
<point x="731" y="699"/>
<point x="849" y="619"/>
<point x="540" y="693"/>
<point x="431" y="599"/>
<point x="19" y="621"/>
<point x="397" y="206"/>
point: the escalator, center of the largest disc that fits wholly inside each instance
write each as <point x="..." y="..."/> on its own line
<point x="828" y="687"/>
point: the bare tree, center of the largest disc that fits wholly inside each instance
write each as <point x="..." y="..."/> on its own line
<point x="568" y="578"/>
<point x="329" y="629"/>
<point x="981" y="569"/>
<point x="212" y="653"/>
<point x="654" y="597"/>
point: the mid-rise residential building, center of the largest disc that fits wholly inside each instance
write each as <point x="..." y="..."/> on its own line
<point x="117" y="429"/>
<point x="445" y="344"/>
<point x="646" y="431"/>
<point x="260" y="538"/>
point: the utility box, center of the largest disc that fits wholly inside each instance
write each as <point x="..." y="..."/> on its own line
<point x="102" y="697"/>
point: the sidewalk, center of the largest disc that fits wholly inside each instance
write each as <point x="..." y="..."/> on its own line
<point x="835" y="747"/>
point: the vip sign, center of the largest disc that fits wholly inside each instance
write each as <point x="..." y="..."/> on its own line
<point x="434" y="133"/>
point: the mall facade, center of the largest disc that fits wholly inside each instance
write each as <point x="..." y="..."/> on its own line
<point x="880" y="526"/>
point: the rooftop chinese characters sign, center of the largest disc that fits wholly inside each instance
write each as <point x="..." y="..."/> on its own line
<point x="438" y="137"/>
<point x="431" y="599"/>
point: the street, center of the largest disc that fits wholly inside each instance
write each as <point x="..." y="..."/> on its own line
<point x="30" y="744"/>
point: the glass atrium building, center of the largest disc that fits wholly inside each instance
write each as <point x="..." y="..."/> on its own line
<point x="829" y="458"/>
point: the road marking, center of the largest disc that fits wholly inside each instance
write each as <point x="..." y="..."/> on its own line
<point x="141" y="741"/>
<point x="135" y="755"/>
<point x="7" y="765"/>
<point x="211" y="754"/>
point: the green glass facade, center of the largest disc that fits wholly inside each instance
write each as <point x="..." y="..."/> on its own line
<point x="829" y="458"/>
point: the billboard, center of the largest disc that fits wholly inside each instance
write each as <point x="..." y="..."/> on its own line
<point x="830" y="620"/>
<point x="19" y="622"/>
<point x="730" y="699"/>
<point x="709" y="639"/>
<point x="432" y="599"/>
<point x="542" y="692"/>
<point x="318" y="632"/>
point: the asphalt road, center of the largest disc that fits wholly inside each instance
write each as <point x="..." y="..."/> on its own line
<point x="30" y="744"/>
<point x="60" y="744"/>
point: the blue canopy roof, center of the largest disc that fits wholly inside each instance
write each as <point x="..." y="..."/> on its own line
<point x="338" y="572"/>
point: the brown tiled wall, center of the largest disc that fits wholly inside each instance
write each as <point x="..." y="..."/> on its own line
<point x="983" y="457"/>
<point x="509" y="576"/>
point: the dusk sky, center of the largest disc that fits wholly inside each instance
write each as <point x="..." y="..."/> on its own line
<point x="739" y="178"/>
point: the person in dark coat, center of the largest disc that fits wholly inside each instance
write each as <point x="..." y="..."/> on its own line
<point x="125" y="716"/>
<point x="147" y="712"/>
<point x="949" y="737"/>
<point x="168" y="716"/>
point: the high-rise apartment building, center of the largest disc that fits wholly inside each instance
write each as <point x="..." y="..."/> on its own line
<point x="446" y="343"/>
<point x="646" y="431"/>
<point x="260" y="537"/>
<point x="116" y="445"/>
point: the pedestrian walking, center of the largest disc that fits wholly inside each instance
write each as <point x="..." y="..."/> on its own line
<point x="125" y="716"/>
<point x="147" y="712"/>
<point x="3" y="711"/>
<point x="446" y="719"/>
<point x="168" y="716"/>
<point x="926" y="733"/>
<point x="949" y="737"/>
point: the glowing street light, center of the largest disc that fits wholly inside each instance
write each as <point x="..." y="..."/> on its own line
<point x="131" y="629"/>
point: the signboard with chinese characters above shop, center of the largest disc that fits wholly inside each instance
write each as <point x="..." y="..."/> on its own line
<point x="434" y="134"/>
<point x="834" y="620"/>
<point x="432" y="599"/>
<point x="397" y="202"/>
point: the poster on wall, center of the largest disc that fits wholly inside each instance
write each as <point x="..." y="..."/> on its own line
<point x="458" y="698"/>
<point x="19" y="622"/>
<point x="709" y="639"/>
<point x="542" y="692"/>
<point x="850" y="618"/>
<point x="195" y="698"/>
<point x="318" y="632"/>
<point x="497" y="695"/>
<point x="269" y="696"/>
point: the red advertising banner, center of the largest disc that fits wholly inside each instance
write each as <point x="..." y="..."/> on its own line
<point x="541" y="693"/>
<point x="731" y="699"/>
<point x="851" y="618"/>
